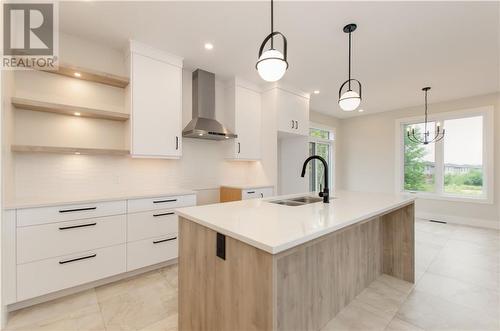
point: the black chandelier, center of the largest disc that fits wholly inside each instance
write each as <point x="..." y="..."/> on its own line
<point x="424" y="138"/>
<point x="349" y="100"/>
<point x="272" y="64"/>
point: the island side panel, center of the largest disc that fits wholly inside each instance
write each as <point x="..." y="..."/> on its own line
<point x="216" y="294"/>
<point x="314" y="281"/>
<point x="398" y="229"/>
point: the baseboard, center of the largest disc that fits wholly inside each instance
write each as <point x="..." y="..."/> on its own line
<point x="475" y="222"/>
<point x="59" y="294"/>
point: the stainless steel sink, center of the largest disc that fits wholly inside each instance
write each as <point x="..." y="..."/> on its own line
<point x="300" y="201"/>
<point x="307" y="199"/>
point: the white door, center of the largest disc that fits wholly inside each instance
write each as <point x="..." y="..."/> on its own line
<point x="156" y="108"/>
<point x="248" y="124"/>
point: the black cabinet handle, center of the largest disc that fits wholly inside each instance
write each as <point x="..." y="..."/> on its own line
<point x="78" y="259"/>
<point x="164" y="240"/>
<point x="297" y="125"/>
<point x="164" y="214"/>
<point x="293" y="124"/>
<point x="262" y="195"/>
<point x="250" y="192"/>
<point x="176" y="142"/>
<point x="163" y="201"/>
<point x="239" y="148"/>
<point x="77" y="226"/>
<point x="77" y="209"/>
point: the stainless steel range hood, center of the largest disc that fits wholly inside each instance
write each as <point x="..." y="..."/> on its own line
<point x="204" y="125"/>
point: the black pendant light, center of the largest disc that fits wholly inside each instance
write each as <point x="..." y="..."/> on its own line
<point x="349" y="100"/>
<point x="272" y="64"/>
<point x="425" y="137"/>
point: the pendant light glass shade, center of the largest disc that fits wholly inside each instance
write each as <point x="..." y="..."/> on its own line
<point x="349" y="101"/>
<point x="271" y="65"/>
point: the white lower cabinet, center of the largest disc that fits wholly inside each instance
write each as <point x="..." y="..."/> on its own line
<point x="262" y="192"/>
<point x="54" y="274"/>
<point x="151" y="224"/>
<point x="56" y="239"/>
<point x="59" y="247"/>
<point x="151" y="251"/>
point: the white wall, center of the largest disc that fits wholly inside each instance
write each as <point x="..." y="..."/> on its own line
<point x="366" y="160"/>
<point x="54" y="177"/>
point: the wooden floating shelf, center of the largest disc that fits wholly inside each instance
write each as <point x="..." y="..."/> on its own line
<point x="57" y="108"/>
<point x="90" y="75"/>
<point x="68" y="150"/>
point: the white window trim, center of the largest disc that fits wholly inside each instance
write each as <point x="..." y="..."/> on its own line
<point x="488" y="149"/>
<point x="333" y="149"/>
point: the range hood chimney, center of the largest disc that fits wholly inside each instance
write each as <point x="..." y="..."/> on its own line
<point x="204" y="125"/>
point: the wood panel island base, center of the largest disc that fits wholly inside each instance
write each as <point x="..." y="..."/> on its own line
<point x="299" y="288"/>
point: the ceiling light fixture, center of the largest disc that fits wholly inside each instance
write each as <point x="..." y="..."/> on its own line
<point x="77" y="74"/>
<point x="361" y="110"/>
<point x="316" y="92"/>
<point x="350" y="99"/>
<point x="209" y="46"/>
<point x="77" y="114"/>
<point x="423" y="138"/>
<point x="272" y="64"/>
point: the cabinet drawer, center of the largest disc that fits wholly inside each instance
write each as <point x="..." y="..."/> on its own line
<point x="42" y="277"/>
<point x="164" y="202"/>
<point x="43" y="215"/>
<point x="250" y="194"/>
<point x="263" y="192"/>
<point x="151" y="224"/>
<point x="266" y="192"/>
<point x="56" y="239"/>
<point x="151" y="251"/>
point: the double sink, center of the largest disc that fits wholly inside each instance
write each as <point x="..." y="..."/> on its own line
<point x="300" y="201"/>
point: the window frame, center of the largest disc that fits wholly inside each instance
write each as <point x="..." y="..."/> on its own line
<point x="488" y="158"/>
<point x="331" y="142"/>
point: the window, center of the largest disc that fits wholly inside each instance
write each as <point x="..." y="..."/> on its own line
<point x="457" y="167"/>
<point x="320" y="143"/>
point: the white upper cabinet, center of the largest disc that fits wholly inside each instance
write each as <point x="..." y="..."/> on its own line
<point x="243" y="117"/>
<point x="293" y="112"/>
<point x="154" y="99"/>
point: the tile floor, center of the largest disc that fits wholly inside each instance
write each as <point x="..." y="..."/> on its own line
<point x="457" y="288"/>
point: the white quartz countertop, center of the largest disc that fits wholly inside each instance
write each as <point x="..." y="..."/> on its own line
<point x="247" y="186"/>
<point x="46" y="202"/>
<point x="275" y="228"/>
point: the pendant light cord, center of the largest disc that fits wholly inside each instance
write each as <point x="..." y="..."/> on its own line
<point x="272" y="24"/>
<point x="349" y="61"/>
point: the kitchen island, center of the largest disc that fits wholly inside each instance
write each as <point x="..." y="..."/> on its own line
<point x="259" y="265"/>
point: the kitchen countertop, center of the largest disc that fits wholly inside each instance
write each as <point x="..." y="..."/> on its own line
<point x="32" y="203"/>
<point x="247" y="186"/>
<point x="275" y="228"/>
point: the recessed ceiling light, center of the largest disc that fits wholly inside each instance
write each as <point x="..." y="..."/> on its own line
<point x="209" y="46"/>
<point x="77" y="153"/>
<point x="200" y="134"/>
<point x="316" y="92"/>
<point x="361" y="110"/>
<point x="77" y="74"/>
<point x="77" y="114"/>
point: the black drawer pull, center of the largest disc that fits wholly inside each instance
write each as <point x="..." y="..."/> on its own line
<point x="78" y="259"/>
<point x="163" y="201"/>
<point x="76" y="226"/>
<point x="251" y="192"/>
<point x="164" y="240"/>
<point x="164" y="214"/>
<point x="78" y="209"/>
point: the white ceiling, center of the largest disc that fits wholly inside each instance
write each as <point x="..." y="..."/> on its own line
<point x="398" y="48"/>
